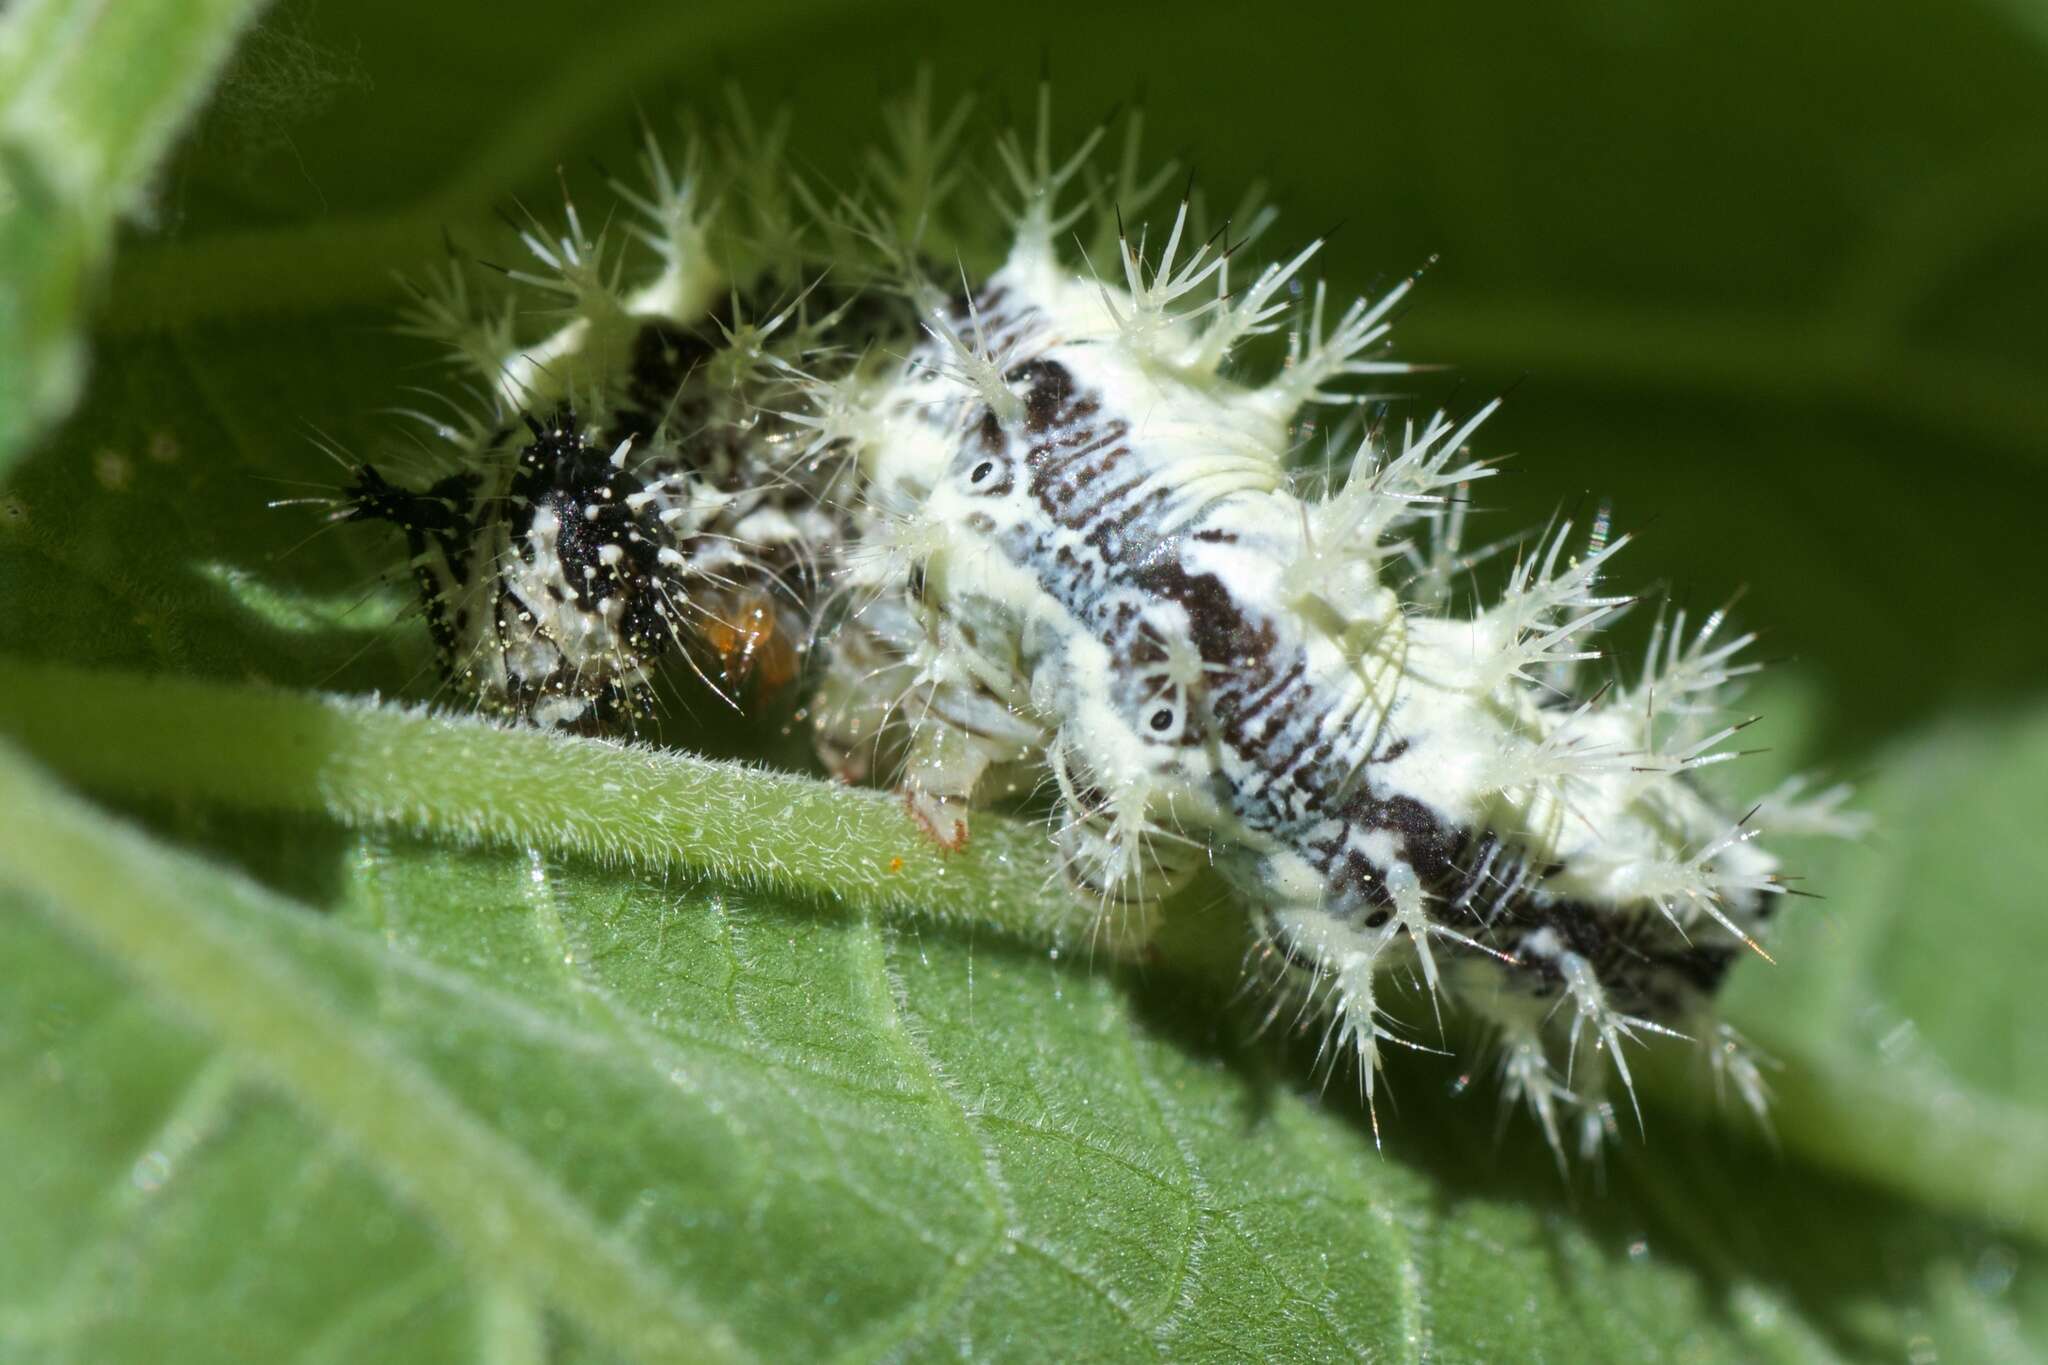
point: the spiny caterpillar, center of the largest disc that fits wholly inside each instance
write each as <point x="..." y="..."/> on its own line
<point x="1070" y="547"/>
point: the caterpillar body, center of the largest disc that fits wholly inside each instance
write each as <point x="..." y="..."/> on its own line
<point x="1065" y="543"/>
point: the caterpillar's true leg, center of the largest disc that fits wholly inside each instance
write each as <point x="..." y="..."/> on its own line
<point x="1113" y="848"/>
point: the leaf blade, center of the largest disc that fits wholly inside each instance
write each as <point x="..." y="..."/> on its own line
<point x="153" y="912"/>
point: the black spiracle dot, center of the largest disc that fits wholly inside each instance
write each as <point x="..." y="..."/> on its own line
<point x="1377" y="918"/>
<point x="1162" y="720"/>
<point x="982" y="471"/>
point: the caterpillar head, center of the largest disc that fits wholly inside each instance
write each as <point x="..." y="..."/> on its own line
<point x="546" y="593"/>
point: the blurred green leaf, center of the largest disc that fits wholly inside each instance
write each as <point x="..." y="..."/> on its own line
<point x="1775" y="279"/>
<point x="1906" y="1000"/>
<point x="90" y="97"/>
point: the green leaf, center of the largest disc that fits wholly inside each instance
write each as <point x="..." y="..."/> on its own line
<point x="194" y="937"/>
<point x="1907" y="998"/>
<point x="291" y="1068"/>
<point x="527" y="1089"/>
<point x="90" y="97"/>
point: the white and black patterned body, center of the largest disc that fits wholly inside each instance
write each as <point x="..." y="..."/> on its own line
<point x="1087" y="557"/>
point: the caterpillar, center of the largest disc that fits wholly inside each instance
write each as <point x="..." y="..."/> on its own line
<point x="1058" y="537"/>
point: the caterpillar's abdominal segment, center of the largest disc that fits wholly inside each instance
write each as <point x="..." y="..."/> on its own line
<point x="1102" y="565"/>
